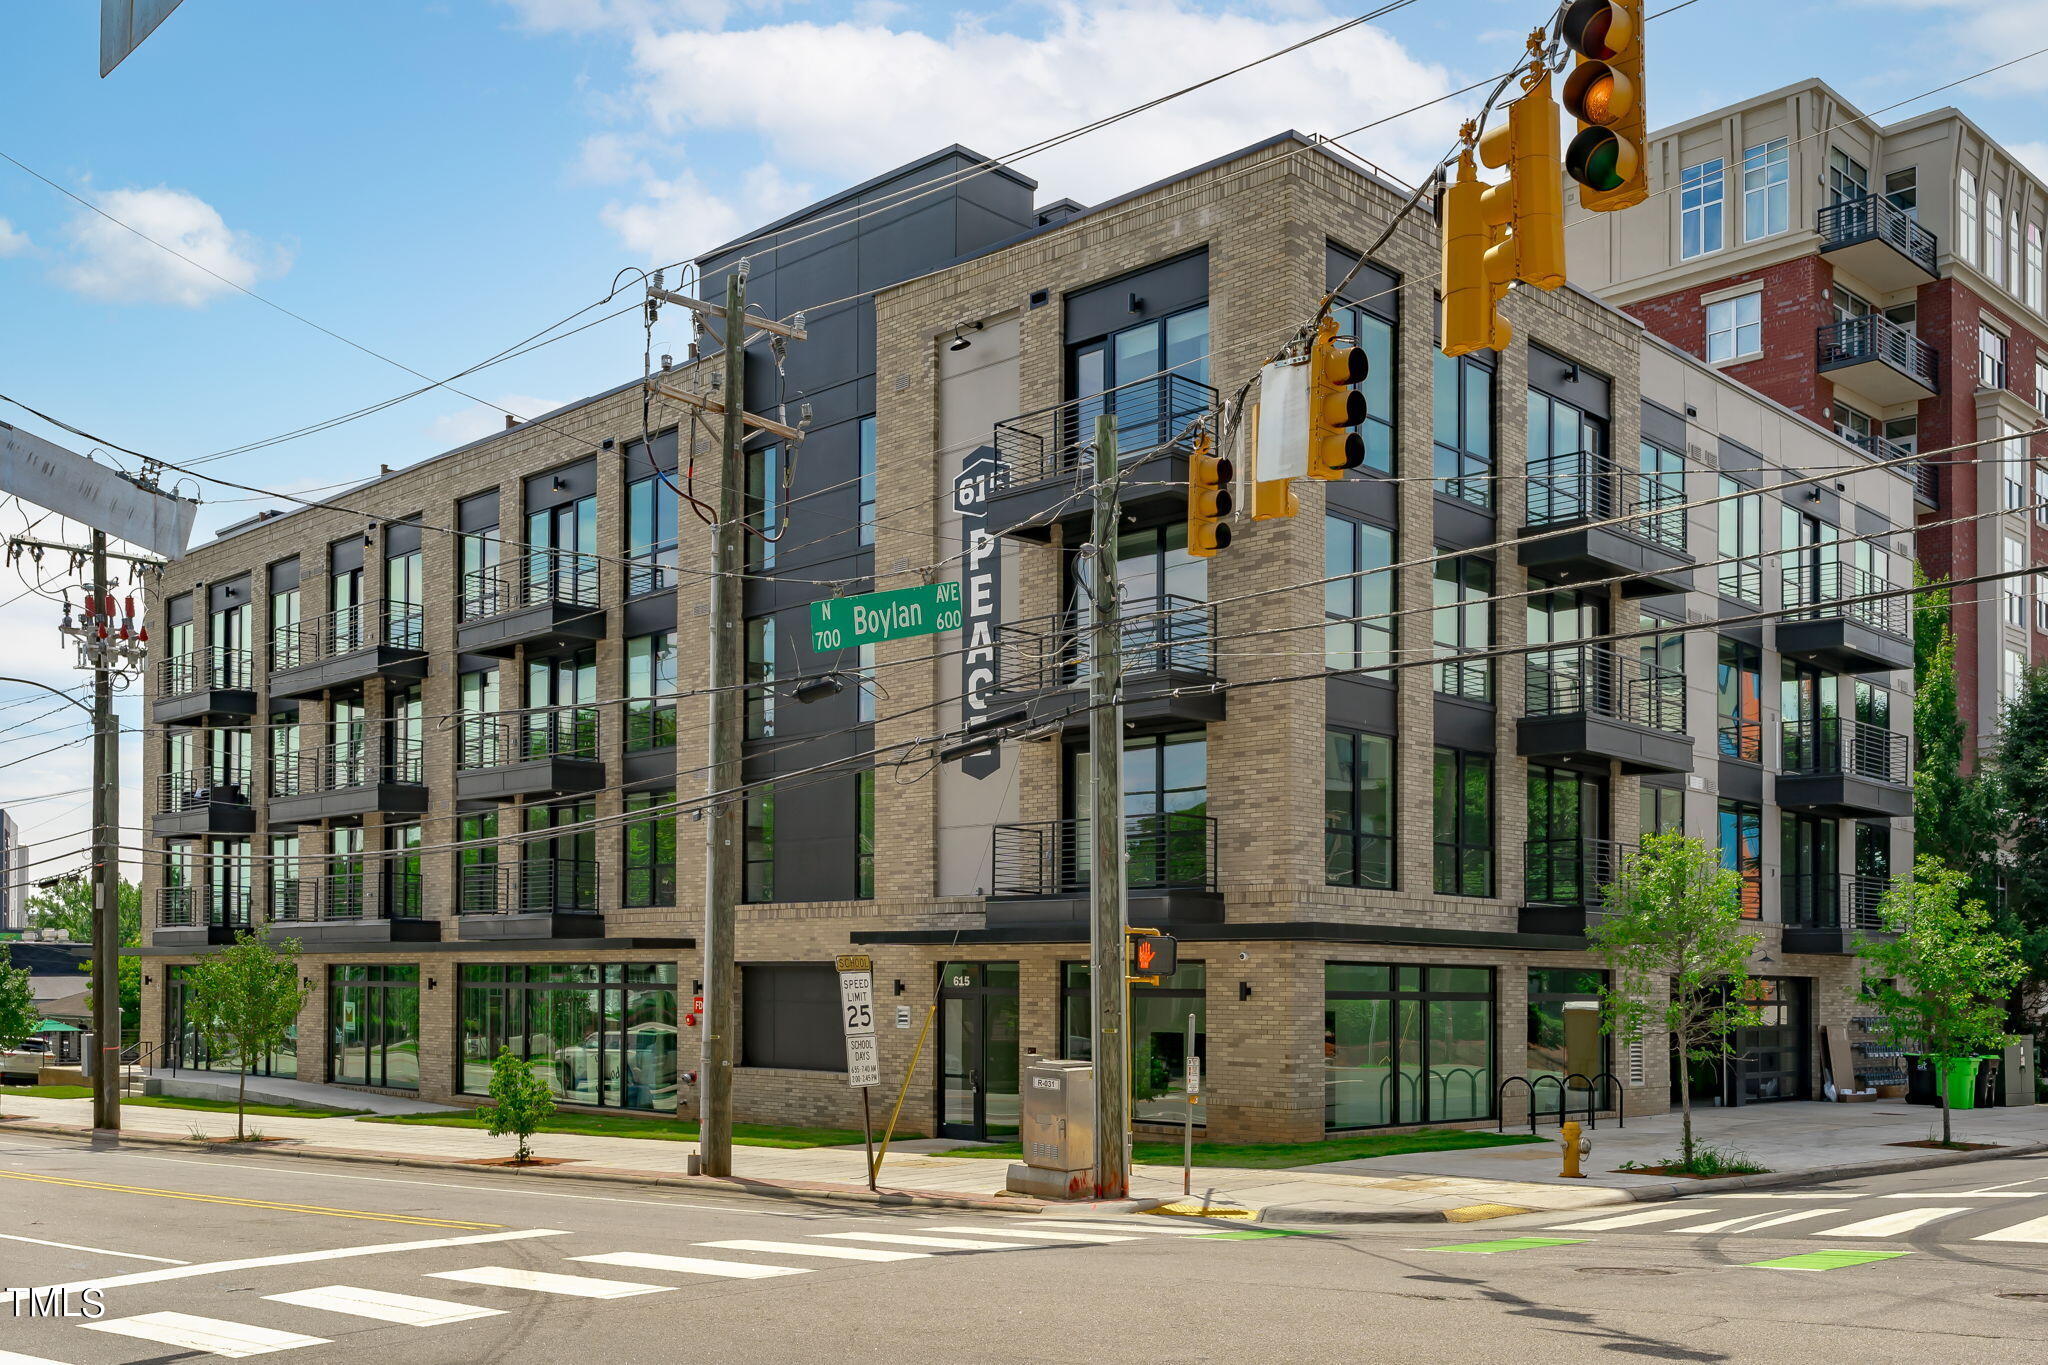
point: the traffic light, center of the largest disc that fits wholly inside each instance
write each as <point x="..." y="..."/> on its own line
<point x="1335" y="406"/>
<point x="1525" y="212"/>
<point x="1154" y="955"/>
<point x="1471" y="299"/>
<point x="1605" y="94"/>
<point x="1209" y="476"/>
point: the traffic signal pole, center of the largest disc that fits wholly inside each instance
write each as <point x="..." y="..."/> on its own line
<point x="106" y="883"/>
<point x="1107" y="919"/>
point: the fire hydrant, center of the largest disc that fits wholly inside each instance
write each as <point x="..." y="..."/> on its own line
<point x="1575" y="1146"/>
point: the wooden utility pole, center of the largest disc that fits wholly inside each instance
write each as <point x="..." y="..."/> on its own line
<point x="106" y="871"/>
<point x="725" y="825"/>
<point x="1107" y="920"/>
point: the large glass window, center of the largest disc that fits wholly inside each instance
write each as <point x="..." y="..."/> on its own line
<point x="650" y="691"/>
<point x="1463" y="820"/>
<point x="1113" y="371"/>
<point x="601" y="1035"/>
<point x="1462" y="390"/>
<point x="1740" y="535"/>
<point x="181" y="1030"/>
<point x="1701" y="191"/>
<point x="1358" y="809"/>
<point x="864" y="834"/>
<point x="760" y="677"/>
<point x="1739" y="699"/>
<point x="404" y="889"/>
<point x="1462" y="623"/>
<point x="1567" y="461"/>
<point x="1158" y="1028"/>
<point x="1848" y="178"/>
<point x="1375" y="336"/>
<point x="653" y="531"/>
<point x="1565" y="1041"/>
<point x="1966" y="215"/>
<point x="1358" y="601"/>
<point x="762" y="504"/>
<point x="1406" y="1044"/>
<point x="479" y="589"/>
<point x="1766" y="189"/>
<point x="650" y="872"/>
<point x="373" y="1019"/>
<point x="1994" y="228"/>
<point x="1741" y="831"/>
<point x="2037" y="271"/>
<point x="757" y="882"/>
<point x="405" y="621"/>
<point x="1166" y="809"/>
<point x="867" y="480"/>
<point x="1735" y="327"/>
<point x="1991" y="353"/>
<point x="1902" y="188"/>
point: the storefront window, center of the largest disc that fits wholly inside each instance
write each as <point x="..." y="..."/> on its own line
<point x="190" y="1048"/>
<point x="373" y="1017"/>
<point x="605" y="1035"/>
<point x="1159" y="1032"/>
<point x="1406" y="1044"/>
<point x="1566" y="1043"/>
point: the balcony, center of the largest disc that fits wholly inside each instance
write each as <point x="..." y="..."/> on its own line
<point x="1835" y="618"/>
<point x="1045" y="463"/>
<point x="1564" y="883"/>
<point x="1876" y="357"/>
<point x="378" y="775"/>
<point x="1877" y="242"/>
<point x="335" y="907"/>
<point x="1918" y="472"/>
<point x="551" y="752"/>
<point x="200" y="917"/>
<point x="1570" y="495"/>
<point x="1590" y="702"/>
<point x="543" y="599"/>
<point x="1845" y="768"/>
<point x="1166" y="645"/>
<point x="205" y="685"/>
<point x="1040" y="873"/>
<point x="532" y="898"/>
<point x="192" y="805"/>
<point x="1826" y="912"/>
<point x="346" y="648"/>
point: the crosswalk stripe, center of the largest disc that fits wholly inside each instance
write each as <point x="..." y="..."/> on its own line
<point x="693" y="1265"/>
<point x="812" y="1249"/>
<point x="1727" y="1223"/>
<point x="231" y="1339"/>
<point x="541" y="1281"/>
<point x="1628" y="1220"/>
<point x="942" y="1243"/>
<point x="1035" y="1233"/>
<point x="1891" y="1224"/>
<point x="407" y="1309"/>
<point x="1792" y="1217"/>
<point x="2033" y="1230"/>
<point x="1143" y="1227"/>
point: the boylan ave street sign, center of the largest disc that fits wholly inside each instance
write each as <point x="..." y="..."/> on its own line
<point x="843" y="622"/>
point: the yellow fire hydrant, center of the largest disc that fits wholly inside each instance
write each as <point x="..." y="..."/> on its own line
<point x="1575" y="1146"/>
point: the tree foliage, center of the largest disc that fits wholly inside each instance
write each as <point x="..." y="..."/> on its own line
<point x="1955" y="803"/>
<point x="18" y="1013"/>
<point x="1941" y="978"/>
<point x="520" y="1102"/>
<point x="67" y="905"/>
<point x="1677" y="955"/>
<point x="2022" y="913"/>
<point x="243" y="1000"/>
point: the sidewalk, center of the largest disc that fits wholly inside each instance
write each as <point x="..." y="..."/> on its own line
<point x="1799" y="1142"/>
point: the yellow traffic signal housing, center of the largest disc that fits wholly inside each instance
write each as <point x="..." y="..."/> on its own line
<point x="1209" y="501"/>
<point x="1605" y="94"/>
<point x="1471" y="300"/>
<point x="1527" y="209"/>
<point x="1335" y="406"/>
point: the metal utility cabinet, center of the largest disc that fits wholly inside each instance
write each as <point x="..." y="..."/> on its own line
<point x="1058" y="1131"/>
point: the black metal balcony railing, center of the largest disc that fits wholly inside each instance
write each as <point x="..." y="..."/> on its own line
<point x="1168" y="635"/>
<point x="1833" y="900"/>
<point x="349" y="764"/>
<point x="1465" y="679"/>
<point x="1595" y="680"/>
<point x="405" y="891"/>
<point x="1571" y="871"/>
<point x="650" y="725"/>
<point x="1876" y="337"/>
<point x="526" y="886"/>
<point x="1581" y="486"/>
<point x="336" y="633"/>
<point x="337" y="895"/>
<point x="493" y="741"/>
<point x="1151" y="414"/>
<point x="1742" y="580"/>
<point x="651" y="570"/>
<point x="209" y="669"/>
<point x="1742" y="738"/>
<point x="1833" y="745"/>
<point x="176" y="791"/>
<point x="1167" y="851"/>
<point x="534" y="578"/>
<point x="187" y="907"/>
<point x="1814" y="591"/>
<point x="1874" y="216"/>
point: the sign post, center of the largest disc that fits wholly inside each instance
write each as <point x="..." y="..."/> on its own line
<point x="863" y="1063"/>
<point x="1193" y="1087"/>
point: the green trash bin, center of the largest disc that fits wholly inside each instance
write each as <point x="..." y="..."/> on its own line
<point x="1958" y="1079"/>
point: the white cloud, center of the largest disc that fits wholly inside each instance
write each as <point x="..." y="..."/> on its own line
<point x="109" y="262"/>
<point x="865" y="96"/>
<point x="479" y="420"/>
<point x="12" y="241"/>
<point x="608" y="158"/>
<point x="1979" y="36"/>
<point x="2032" y="155"/>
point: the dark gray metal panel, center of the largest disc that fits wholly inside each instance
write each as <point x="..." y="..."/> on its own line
<point x="1461" y="526"/>
<point x="401" y="538"/>
<point x="1869" y="522"/>
<point x="540" y="777"/>
<point x="1844" y="645"/>
<point x="1566" y="379"/>
<point x="284" y="575"/>
<point x="194" y="707"/>
<point x="1599" y="552"/>
<point x="1167" y="287"/>
<point x="1367" y="497"/>
<point x="1285" y="931"/>
<point x="388" y="798"/>
<point x="350" y="670"/>
<point x="1637" y="749"/>
<point x="178" y="611"/>
<point x="1378" y="291"/>
<point x="648" y="613"/>
<point x="814" y="839"/>
<point x="1843" y="795"/>
<point x="1738" y="459"/>
<point x="1662" y="425"/>
<point x="558" y="924"/>
<point x="578" y="480"/>
<point x="1464" y="725"/>
<point x="1360" y="704"/>
<point x="640" y="465"/>
<point x="228" y="593"/>
<point x="649" y="768"/>
<point x="478" y="512"/>
<point x="547" y="625"/>
<point x="1738" y="781"/>
<point x="345" y="554"/>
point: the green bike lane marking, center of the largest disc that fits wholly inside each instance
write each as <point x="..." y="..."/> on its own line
<point x="1509" y="1244"/>
<point x="1825" y="1260"/>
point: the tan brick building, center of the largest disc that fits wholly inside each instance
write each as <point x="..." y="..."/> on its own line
<point x="1380" y="865"/>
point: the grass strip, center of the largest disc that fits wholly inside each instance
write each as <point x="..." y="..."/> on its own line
<point x="630" y="1126"/>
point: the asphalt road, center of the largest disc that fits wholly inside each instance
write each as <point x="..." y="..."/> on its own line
<point x="200" y="1256"/>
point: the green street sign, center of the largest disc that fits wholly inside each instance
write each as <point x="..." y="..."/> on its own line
<point x="843" y="622"/>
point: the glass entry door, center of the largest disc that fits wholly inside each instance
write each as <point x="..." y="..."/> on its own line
<point x="978" y="1063"/>
<point x="1771" y="1061"/>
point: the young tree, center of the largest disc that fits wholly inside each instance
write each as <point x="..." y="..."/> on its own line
<point x="520" y="1102"/>
<point x="1956" y="808"/>
<point x="18" y="1013"/>
<point x="1677" y="954"/>
<point x="1941" y="981"/>
<point x="243" y="1000"/>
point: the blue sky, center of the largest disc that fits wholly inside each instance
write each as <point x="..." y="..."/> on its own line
<point x="436" y="181"/>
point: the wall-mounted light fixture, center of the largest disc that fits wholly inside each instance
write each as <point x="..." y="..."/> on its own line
<point x="1244" y="990"/>
<point x="560" y="483"/>
<point x="960" y="341"/>
<point x="430" y="983"/>
<point x="899" y="988"/>
<point x="1137" y="303"/>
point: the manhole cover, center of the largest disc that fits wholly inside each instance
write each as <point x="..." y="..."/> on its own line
<point x="1634" y="1270"/>
<point x="2028" y="1296"/>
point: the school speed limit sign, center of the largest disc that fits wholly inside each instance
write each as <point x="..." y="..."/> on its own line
<point x="857" y="1016"/>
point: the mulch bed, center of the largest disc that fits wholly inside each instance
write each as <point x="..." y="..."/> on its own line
<point x="514" y="1161"/>
<point x="1950" y="1146"/>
